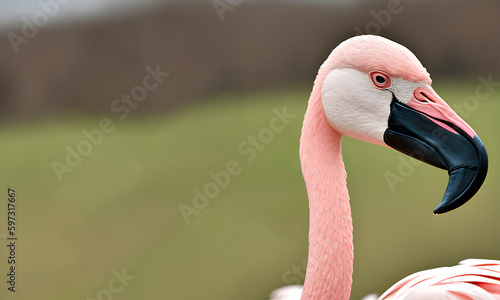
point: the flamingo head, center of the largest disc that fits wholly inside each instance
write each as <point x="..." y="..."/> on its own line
<point x="376" y="90"/>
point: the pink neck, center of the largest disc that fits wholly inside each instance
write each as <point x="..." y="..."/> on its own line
<point x="330" y="264"/>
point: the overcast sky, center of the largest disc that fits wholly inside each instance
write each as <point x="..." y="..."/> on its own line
<point x="11" y="11"/>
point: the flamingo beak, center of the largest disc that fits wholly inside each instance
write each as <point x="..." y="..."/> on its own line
<point x="427" y="129"/>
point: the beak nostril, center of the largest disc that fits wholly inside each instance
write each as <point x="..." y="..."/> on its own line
<point x="424" y="96"/>
<point x="427" y="98"/>
<point x="421" y="96"/>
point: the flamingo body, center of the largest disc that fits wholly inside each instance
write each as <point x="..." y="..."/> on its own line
<point x="471" y="279"/>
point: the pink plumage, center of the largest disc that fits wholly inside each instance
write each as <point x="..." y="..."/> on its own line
<point x="470" y="279"/>
<point x="369" y="52"/>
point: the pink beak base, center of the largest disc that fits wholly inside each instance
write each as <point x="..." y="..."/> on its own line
<point x="428" y="102"/>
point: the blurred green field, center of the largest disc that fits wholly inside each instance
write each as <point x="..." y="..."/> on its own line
<point x="120" y="207"/>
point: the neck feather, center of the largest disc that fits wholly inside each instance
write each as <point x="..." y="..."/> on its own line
<point x="330" y="263"/>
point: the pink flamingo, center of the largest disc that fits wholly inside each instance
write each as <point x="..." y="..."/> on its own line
<point x="376" y="90"/>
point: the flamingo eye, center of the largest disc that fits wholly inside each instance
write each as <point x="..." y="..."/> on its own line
<point x="380" y="80"/>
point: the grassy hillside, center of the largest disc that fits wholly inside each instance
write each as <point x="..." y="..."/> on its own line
<point x="120" y="206"/>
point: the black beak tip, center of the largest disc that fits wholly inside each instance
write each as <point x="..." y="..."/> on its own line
<point x="464" y="182"/>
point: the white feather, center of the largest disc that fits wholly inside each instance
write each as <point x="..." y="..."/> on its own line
<point x="289" y="292"/>
<point x="354" y="107"/>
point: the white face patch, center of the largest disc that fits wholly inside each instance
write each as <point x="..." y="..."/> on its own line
<point x="403" y="89"/>
<point x="356" y="108"/>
